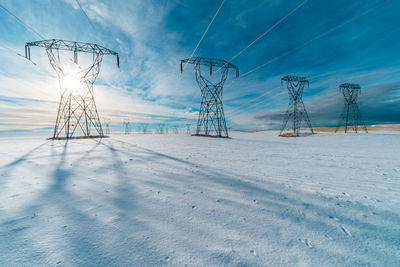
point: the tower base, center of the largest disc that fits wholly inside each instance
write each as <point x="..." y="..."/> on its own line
<point x="295" y="135"/>
<point x="209" y="135"/>
<point x="78" y="137"/>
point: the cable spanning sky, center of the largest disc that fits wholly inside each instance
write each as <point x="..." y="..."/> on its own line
<point x="330" y="42"/>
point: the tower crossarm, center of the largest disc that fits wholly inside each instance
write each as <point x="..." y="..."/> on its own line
<point x="70" y="46"/>
<point x="350" y="86"/>
<point x="211" y="62"/>
<point x="296" y="79"/>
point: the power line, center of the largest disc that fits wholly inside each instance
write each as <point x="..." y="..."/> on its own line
<point x="316" y="38"/>
<point x="208" y="27"/>
<point x="86" y="15"/>
<point x="313" y="77"/>
<point x="202" y="37"/>
<point x="267" y="31"/>
<point x="254" y="99"/>
<point x="23" y="23"/>
<point x="16" y="52"/>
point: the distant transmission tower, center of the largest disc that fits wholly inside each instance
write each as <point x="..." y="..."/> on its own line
<point x="211" y="120"/>
<point x="107" y="123"/>
<point x="296" y="112"/>
<point x="188" y="128"/>
<point x="77" y="110"/>
<point x="144" y="127"/>
<point x="351" y="115"/>
<point x="160" y="129"/>
<point x="127" y="124"/>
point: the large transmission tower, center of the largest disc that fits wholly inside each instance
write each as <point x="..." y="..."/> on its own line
<point x="77" y="110"/>
<point x="351" y="115"/>
<point x="211" y="120"/>
<point x="296" y="112"/>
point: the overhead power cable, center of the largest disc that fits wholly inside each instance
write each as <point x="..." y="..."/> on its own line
<point x="238" y="110"/>
<point x="23" y="23"/>
<point x="208" y="27"/>
<point x="16" y="52"/>
<point x="86" y="15"/>
<point x="317" y="37"/>
<point x="267" y="31"/>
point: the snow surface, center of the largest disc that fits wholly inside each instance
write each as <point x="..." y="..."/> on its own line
<point x="150" y="200"/>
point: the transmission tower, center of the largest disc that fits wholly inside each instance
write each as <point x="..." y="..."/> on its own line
<point x="296" y="111"/>
<point x="77" y="110"/>
<point x="127" y="124"/>
<point x="211" y="120"/>
<point x="351" y="115"/>
<point x="160" y="129"/>
<point x="107" y="123"/>
<point x="144" y="127"/>
<point x="188" y="128"/>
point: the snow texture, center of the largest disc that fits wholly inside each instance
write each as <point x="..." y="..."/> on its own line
<point x="154" y="200"/>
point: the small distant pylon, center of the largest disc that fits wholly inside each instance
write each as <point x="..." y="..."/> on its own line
<point x="296" y="111"/>
<point x="107" y="123"/>
<point x="126" y="124"/>
<point x="160" y="129"/>
<point x="351" y="115"/>
<point x="144" y="127"/>
<point x="188" y="128"/>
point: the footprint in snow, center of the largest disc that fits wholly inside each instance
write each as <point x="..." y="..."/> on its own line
<point x="347" y="232"/>
<point x="253" y="252"/>
<point x="193" y="207"/>
<point x="306" y="242"/>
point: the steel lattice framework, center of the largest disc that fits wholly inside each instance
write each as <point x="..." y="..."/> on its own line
<point x="211" y="120"/>
<point x="351" y="115"/>
<point x="296" y="111"/>
<point x="77" y="109"/>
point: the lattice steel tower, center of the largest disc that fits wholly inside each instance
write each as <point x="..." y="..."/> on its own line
<point x="351" y="115"/>
<point x="77" y="110"/>
<point x="296" y="112"/>
<point x="211" y="120"/>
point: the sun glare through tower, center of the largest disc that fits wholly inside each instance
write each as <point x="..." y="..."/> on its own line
<point x="77" y="115"/>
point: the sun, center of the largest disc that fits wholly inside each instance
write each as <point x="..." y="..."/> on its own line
<point x="72" y="83"/>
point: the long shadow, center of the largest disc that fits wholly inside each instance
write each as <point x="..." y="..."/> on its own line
<point x="272" y="199"/>
<point x="86" y="233"/>
<point x="24" y="157"/>
<point x="286" y="204"/>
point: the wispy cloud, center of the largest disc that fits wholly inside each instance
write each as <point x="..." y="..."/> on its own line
<point x="152" y="36"/>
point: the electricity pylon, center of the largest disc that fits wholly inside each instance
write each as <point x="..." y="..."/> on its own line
<point x="77" y="111"/>
<point x="107" y="123"/>
<point x="127" y="124"/>
<point x="144" y="127"/>
<point x="296" y="111"/>
<point x="211" y="120"/>
<point x="351" y="115"/>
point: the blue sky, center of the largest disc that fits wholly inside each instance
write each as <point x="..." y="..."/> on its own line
<point x="330" y="42"/>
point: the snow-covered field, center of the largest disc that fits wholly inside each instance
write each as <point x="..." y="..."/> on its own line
<point x="149" y="200"/>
